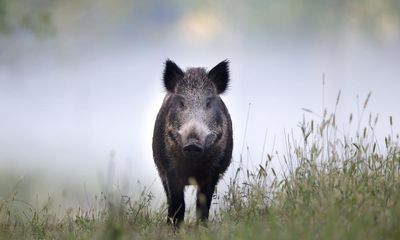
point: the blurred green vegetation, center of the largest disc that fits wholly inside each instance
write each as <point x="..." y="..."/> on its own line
<point x="378" y="19"/>
<point x="34" y="16"/>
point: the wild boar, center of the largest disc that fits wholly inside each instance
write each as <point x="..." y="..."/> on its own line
<point x="192" y="140"/>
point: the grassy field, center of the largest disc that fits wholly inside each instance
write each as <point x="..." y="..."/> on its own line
<point x="331" y="185"/>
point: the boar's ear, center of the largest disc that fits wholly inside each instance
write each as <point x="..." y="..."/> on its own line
<point x="172" y="73"/>
<point x="219" y="75"/>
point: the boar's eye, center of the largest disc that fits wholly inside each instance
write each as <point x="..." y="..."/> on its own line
<point x="209" y="102"/>
<point x="181" y="101"/>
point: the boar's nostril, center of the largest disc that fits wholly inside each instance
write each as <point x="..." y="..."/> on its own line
<point x="193" y="150"/>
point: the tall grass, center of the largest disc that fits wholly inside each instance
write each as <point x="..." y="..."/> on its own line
<point x="332" y="185"/>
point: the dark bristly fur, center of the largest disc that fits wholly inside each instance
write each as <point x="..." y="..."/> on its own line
<point x="192" y="141"/>
<point x="220" y="76"/>
<point x="173" y="73"/>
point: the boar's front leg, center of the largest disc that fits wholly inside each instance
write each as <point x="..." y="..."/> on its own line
<point x="204" y="197"/>
<point x="176" y="203"/>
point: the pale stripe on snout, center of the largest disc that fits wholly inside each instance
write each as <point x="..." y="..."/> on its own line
<point x="194" y="127"/>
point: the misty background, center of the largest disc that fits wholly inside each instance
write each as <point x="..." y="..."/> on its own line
<point x="80" y="81"/>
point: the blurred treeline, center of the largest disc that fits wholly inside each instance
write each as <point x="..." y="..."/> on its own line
<point x="378" y="19"/>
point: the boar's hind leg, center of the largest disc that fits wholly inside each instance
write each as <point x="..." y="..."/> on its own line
<point x="176" y="204"/>
<point x="204" y="197"/>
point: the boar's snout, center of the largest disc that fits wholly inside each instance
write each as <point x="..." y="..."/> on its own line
<point x="193" y="149"/>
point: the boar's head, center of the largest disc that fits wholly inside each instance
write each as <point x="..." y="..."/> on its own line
<point x="195" y="122"/>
